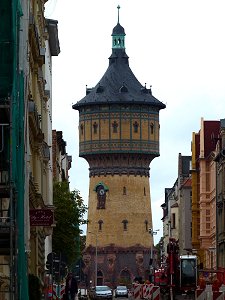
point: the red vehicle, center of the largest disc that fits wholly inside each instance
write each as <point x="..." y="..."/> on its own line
<point x="179" y="277"/>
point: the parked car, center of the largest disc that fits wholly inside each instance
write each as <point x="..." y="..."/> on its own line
<point x="121" y="291"/>
<point x="82" y="294"/>
<point x="100" y="292"/>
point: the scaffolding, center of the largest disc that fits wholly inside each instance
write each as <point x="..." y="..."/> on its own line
<point x="13" y="264"/>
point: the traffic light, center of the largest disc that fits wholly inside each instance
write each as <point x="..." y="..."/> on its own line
<point x="50" y="262"/>
<point x="56" y="266"/>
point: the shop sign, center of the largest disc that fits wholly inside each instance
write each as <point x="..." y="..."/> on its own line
<point x="41" y="217"/>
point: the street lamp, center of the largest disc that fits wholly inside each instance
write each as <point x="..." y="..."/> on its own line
<point x="96" y="256"/>
<point x="152" y="232"/>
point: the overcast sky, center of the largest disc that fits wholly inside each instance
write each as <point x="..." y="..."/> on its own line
<point x="177" y="46"/>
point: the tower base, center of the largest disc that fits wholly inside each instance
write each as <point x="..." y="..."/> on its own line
<point x="116" y="265"/>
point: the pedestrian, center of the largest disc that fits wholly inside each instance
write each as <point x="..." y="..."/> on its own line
<point x="71" y="287"/>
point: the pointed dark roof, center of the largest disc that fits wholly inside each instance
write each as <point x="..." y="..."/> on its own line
<point x="119" y="84"/>
<point x="118" y="29"/>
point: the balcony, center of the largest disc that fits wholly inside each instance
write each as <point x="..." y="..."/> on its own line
<point x="35" y="123"/>
<point x="38" y="52"/>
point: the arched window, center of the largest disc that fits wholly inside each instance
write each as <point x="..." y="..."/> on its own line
<point x="95" y="127"/>
<point x="125" y="222"/>
<point x="152" y="128"/>
<point x="144" y="192"/>
<point x="146" y="225"/>
<point x="100" y="222"/>
<point x="125" y="276"/>
<point x="114" y="126"/>
<point x="82" y="129"/>
<point x="135" y="126"/>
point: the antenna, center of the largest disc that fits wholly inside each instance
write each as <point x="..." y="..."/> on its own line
<point x="118" y="7"/>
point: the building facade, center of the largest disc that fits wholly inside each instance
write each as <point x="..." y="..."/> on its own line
<point x="13" y="70"/>
<point x="184" y="203"/>
<point x="177" y="208"/>
<point x="204" y="193"/>
<point x="61" y="160"/>
<point x="220" y="199"/>
<point x="201" y="196"/>
<point x="119" y="137"/>
<point x="43" y="44"/>
<point x="27" y="43"/>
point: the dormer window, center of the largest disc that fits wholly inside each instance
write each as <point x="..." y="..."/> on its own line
<point x="100" y="89"/>
<point x="136" y="126"/>
<point x="123" y="89"/>
<point x="95" y="127"/>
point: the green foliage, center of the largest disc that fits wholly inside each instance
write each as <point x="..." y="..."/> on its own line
<point x="69" y="215"/>
<point x="34" y="287"/>
<point x="82" y="242"/>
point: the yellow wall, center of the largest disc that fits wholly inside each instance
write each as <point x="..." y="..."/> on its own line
<point x="134" y="207"/>
<point x="125" y="138"/>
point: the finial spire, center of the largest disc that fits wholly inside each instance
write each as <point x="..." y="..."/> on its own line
<point x="118" y="7"/>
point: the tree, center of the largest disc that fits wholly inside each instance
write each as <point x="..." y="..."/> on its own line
<point x="69" y="215"/>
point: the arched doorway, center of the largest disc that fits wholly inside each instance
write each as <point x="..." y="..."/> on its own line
<point x="100" y="278"/>
<point x="125" y="277"/>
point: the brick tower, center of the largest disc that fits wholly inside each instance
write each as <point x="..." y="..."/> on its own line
<point x="119" y="137"/>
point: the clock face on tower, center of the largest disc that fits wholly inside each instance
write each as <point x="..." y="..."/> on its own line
<point x="101" y="196"/>
<point x="101" y="191"/>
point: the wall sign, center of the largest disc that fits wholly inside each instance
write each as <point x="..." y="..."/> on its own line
<point x="41" y="217"/>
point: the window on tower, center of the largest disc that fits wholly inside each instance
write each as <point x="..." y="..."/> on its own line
<point x="135" y="126"/>
<point x="95" y="127"/>
<point x="114" y="126"/>
<point x="152" y="128"/>
<point x="125" y="222"/>
<point x="146" y="225"/>
<point x="82" y="129"/>
<point x="100" y="222"/>
<point x="144" y="192"/>
<point x="124" y="190"/>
